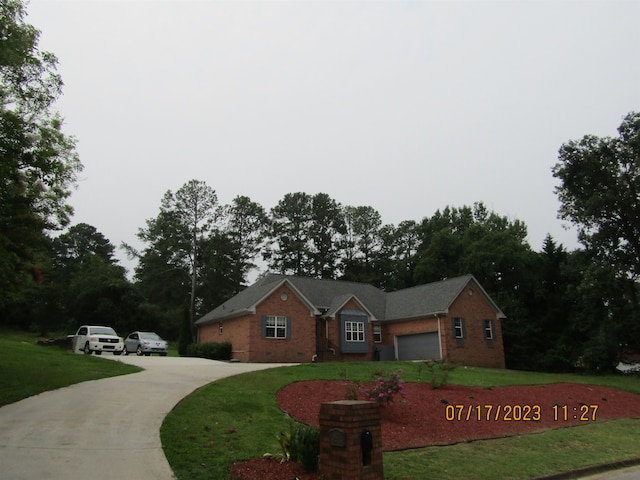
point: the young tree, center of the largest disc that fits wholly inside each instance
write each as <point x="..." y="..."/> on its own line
<point x="39" y="163"/>
<point x="175" y="238"/>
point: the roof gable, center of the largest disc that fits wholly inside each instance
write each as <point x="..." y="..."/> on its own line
<point x="431" y="299"/>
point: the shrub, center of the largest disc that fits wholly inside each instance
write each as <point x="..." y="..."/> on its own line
<point x="301" y="445"/>
<point x="210" y="350"/>
<point x="438" y="372"/>
<point x="385" y="389"/>
<point x="305" y="447"/>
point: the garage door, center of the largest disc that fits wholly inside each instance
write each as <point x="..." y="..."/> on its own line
<point x="421" y="346"/>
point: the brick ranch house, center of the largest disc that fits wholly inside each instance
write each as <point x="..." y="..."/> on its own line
<point x="297" y="319"/>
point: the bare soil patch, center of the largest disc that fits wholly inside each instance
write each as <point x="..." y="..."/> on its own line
<point x="453" y="414"/>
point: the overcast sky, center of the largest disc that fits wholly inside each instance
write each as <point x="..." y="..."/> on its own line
<point x="404" y="106"/>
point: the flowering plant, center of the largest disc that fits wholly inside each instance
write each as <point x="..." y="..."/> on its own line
<point x="385" y="389"/>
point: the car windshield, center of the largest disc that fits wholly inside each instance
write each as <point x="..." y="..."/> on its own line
<point x="150" y="336"/>
<point x="102" y="331"/>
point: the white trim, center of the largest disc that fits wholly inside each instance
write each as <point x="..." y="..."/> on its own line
<point x="371" y="316"/>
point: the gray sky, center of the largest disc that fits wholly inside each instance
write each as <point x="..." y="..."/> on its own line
<point x="404" y="106"/>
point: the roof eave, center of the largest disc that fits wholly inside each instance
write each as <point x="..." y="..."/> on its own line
<point x="314" y="310"/>
<point x="418" y="316"/>
<point x="372" y="317"/>
<point x="227" y="316"/>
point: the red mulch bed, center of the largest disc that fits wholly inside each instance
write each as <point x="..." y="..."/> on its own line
<point x="421" y="419"/>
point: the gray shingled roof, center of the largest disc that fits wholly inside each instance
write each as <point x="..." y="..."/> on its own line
<point x="327" y="296"/>
<point x="426" y="299"/>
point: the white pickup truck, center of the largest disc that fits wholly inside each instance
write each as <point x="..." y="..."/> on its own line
<point x="96" y="339"/>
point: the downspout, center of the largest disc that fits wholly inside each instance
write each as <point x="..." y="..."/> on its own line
<point x="439" y="336"/>
<point x="326" y="333"/>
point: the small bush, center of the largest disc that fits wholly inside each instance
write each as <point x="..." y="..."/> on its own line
<point x="438" y="372"/>
<point x="385" y="389"/>
<point x="210" y="350"/>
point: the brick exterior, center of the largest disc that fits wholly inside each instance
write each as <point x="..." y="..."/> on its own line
<point x="245" y="333"/>
<point x="343" y="459"/>
<point x="475" y="350"/>
<point x="472" y="306"/>
<point x="318" y="339"/>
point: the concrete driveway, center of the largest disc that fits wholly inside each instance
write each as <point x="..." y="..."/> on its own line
<point x="106" y="428"/>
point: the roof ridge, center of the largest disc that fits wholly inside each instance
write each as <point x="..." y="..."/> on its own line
<point x="449" y="279"/>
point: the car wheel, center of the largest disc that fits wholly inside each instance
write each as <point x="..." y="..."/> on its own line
<point x="139" y="351"/>
<point x="125" y="351"/>
<point x="87" y="348"/>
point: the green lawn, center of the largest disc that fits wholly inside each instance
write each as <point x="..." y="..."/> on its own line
<point x="28" y="369"/>
<point x="237" y="419"/>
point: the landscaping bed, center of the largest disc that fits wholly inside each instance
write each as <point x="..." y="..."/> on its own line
<point x="452" y="414"/>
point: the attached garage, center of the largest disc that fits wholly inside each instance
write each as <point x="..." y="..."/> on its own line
<point x="419" y="346"/>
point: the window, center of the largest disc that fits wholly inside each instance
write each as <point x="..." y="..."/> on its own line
<point x="377" y="333"/>
<point x="488" y="329"/>
<point x="354" y="331"/>
<point x="276" y="327"/>
<point x="458" y="328"/>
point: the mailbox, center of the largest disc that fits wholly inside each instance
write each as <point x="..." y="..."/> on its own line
<point x="350" y="441"/>
<point x="366" y="443"/>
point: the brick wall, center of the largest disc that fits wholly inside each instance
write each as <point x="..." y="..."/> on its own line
<point x="245" y="333"/>
<point x="234" y="331"/>
<point x="342" y="424"/>
<point x="301" y="346"/>
<point x="473" y="307"/>
<point x="476" y="350"/>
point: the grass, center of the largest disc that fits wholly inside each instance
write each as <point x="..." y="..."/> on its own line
<point x="28" y="369"/>
<point x="237" y="419"/>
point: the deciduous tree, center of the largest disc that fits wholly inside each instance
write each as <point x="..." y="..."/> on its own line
<point x="38" y="162"/>
<point x="600" y="194"/>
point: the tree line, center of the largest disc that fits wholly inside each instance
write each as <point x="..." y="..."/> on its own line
<point x="566" y="310"/>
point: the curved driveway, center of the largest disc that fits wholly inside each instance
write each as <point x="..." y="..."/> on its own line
<point x="107" y="428"/>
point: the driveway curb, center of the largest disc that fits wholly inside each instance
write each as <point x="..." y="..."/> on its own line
<point x="594" y="470"/>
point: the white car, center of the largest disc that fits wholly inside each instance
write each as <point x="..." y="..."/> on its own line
<point x="145" y="343"/>
<point x="97" y="339"/>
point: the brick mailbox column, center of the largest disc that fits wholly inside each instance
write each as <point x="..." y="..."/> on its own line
<point x="350" y="441"/>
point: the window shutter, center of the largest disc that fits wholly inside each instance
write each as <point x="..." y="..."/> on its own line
<point x="464" y="328"/>
<point x="264" y="326"/>
<point x="288" y="327"/>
